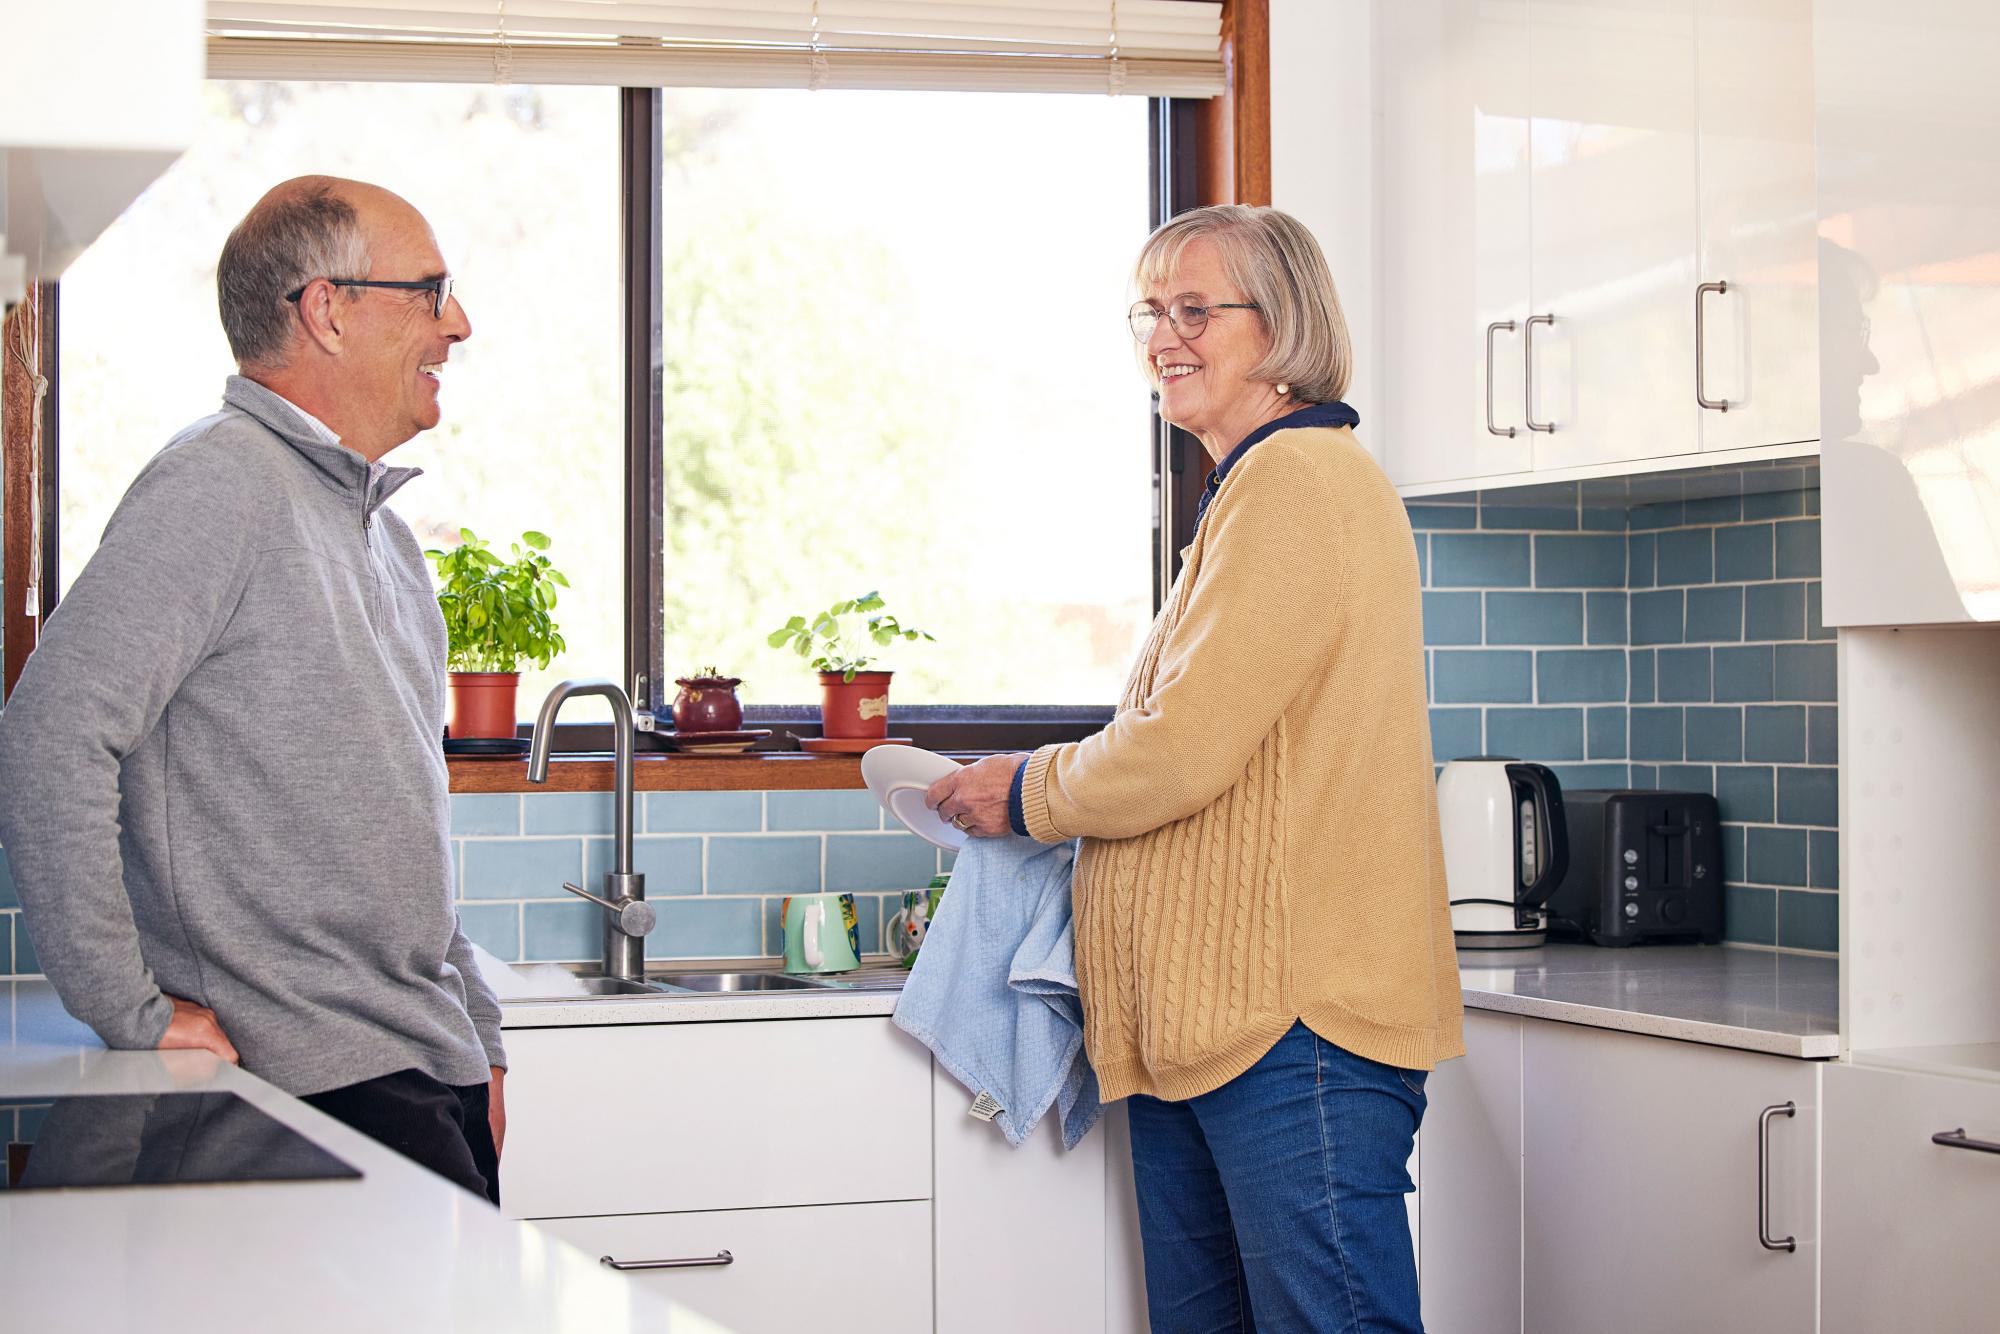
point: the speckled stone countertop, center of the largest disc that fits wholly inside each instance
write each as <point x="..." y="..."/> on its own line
<point x="1754" y="1000"/>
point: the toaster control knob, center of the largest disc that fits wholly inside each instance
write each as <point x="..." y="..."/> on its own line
<point x="1631" y="910"/>
<point x="1631" y="856"/>
<point x="1674" y="910"/>
<point x="1632" y="883"/>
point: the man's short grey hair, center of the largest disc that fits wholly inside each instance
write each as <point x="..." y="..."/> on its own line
<point x="1277" y="264"/>
<point x="279" y="247"/>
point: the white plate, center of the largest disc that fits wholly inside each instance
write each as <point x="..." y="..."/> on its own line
<point x="899" y="776"/>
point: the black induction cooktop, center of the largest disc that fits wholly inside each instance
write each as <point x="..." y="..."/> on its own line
<point x="154" y="1139"/>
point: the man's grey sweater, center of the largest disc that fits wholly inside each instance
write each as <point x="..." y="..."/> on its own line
<point x="220" y="776"/>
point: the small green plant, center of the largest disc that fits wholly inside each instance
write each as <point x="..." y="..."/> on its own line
<point x="825" y="640"/>
<point x="496" y="612"/>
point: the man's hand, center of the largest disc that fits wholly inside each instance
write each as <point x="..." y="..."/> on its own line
<point x="195" y="1026"/>
<point x="496" y="1108"/>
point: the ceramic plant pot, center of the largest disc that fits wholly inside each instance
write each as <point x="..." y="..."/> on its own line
<point x="482" y="704"/>
<point x="707" y="704"/>
<point x="857" y="708"/>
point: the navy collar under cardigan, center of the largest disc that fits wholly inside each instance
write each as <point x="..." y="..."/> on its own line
<point x="1333" y="415"/>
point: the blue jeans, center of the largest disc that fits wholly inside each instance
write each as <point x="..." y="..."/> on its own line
<point x="1275" y="1203"/>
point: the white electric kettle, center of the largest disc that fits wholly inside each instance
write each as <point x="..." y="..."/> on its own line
<point x="1506" y="848"/>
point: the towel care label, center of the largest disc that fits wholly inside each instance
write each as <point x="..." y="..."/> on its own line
<point x="985" y="1107"/>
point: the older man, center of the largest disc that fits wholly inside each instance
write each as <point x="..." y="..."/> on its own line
<point x="220" y="781"/>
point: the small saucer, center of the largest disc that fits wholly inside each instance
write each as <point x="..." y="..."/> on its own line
<point x="485" y="747"/>
<point x="848" y="745"/>
<point x="718" y="743"/>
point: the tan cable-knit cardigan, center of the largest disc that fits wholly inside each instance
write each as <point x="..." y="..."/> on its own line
<point x="1259" y="820"/>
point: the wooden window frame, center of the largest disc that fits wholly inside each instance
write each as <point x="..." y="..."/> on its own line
<point x="1202" y="152"/>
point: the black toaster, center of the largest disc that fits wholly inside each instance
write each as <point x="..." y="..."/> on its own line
<point x="1642" y="866"/>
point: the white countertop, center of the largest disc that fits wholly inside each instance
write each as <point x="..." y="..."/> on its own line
<point x="400" y="1249"/>
<point x="1754" y="1000"/>
<point x="870" y="990"/>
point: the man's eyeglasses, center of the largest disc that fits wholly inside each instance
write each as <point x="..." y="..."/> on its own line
<point x="439" y="288"/>
<point x="1187" y="318"/>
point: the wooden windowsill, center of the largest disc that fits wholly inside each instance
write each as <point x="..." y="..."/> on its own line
<point x="755" y="772"/>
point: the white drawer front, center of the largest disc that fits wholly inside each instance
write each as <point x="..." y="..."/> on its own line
<point x="842" y="1269"/>
<point x="653" y="1118"/>
<point x="1909" y="1223"/>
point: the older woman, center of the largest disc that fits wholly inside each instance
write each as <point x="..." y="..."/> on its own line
<point x="1263" y="944"/>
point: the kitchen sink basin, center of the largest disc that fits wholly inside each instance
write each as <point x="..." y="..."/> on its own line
<point x="733" y="982"/>
<point x="615" y="986"/>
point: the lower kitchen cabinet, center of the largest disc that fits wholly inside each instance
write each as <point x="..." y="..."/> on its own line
<point x="1909" y="1222"/>
<point x="1469" y="1189"/>
<point x="644" y="1118"/>
<point x="1577" y="1180"/>
<point x="1641" y="1197"/>
<point x="835" y="1269"/>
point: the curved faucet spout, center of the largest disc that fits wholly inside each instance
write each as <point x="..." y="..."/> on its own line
<point x="621" y="736"/>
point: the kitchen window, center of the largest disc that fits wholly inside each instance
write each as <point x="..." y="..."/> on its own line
<point x="891" y="347"/>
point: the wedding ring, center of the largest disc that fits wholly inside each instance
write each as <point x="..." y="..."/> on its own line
<point x="959" y="820"/>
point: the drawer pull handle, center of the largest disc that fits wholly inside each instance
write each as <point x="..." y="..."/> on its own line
<point x="1958" y="1139"/>
<point x="1764" y="1236"/>
<point x="717" y="1260"/>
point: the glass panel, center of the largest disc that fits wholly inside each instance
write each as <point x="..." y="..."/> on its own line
<point x="896" y="358"/>
<point x="521" y="186"/>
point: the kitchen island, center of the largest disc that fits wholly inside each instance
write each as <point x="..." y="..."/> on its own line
<point x="397" y="1249"/>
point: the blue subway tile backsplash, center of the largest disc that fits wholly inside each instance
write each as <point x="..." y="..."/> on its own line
<point x="1677" y="644"/>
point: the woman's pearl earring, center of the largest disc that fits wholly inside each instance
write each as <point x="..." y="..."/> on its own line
<point x="1284" y="391"/>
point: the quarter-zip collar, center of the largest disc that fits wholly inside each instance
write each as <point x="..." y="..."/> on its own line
<point x="339" y="467"/>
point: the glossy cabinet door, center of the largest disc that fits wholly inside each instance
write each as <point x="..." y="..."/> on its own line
<point x="1469" y="1194"/>
<point x="1909" y="1222"/>
<point x="1641" y="1198"/>
<point x="1758" y="348"/>
<point x="1909" y="282"/>
<point x="844" y="1269"/>
<point x="1614" y="193"/>
<point x="1453" y="223"/>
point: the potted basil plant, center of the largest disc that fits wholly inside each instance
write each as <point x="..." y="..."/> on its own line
<point x="496" y="617"/>
<point x="854" y="701"/>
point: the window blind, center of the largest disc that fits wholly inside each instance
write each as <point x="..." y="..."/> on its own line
<point x="1154" y="48"/>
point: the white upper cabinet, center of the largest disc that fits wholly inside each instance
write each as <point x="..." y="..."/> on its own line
<point x="1757" y="341"/>
<point x="1614" y="199"/>
<point x="1909" y="297"/>
<point x="1454" y="238"/>
<point x="1560" y="183"/>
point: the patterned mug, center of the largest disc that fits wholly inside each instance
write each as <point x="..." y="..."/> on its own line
<point x="904" y="932"/>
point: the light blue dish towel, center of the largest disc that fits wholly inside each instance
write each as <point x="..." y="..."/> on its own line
<point x="993" y="992"/>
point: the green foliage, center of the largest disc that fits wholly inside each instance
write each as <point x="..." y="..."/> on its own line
<point x="831" y="645"/>
<point x="496" y="612"/>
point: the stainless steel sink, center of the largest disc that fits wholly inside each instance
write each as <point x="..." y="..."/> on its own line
<point x="720" y="982"/>
<point x="615" y="986"/>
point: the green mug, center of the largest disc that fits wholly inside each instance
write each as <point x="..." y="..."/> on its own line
<point x="904" y="932"/>
<point x="822" y="933"/>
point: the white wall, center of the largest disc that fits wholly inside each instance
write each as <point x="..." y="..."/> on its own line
<point x="1323" y="156"/>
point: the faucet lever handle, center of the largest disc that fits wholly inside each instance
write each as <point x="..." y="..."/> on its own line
<point x="635" y="917"/>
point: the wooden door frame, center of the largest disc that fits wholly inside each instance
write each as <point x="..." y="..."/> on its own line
<point x="27" y="476"/>
<point x="1235" y="129"/>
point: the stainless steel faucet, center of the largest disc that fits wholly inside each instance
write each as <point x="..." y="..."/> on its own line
<point x="627" y="915"/>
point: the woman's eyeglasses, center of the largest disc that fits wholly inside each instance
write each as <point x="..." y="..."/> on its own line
<point x="439" y="288"/>
<point x="1187" y="318"/>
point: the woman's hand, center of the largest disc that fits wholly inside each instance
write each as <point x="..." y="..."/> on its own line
<point x="975" y="797"/>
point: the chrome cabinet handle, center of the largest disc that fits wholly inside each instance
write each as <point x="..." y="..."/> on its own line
<point x="1528" y="355"/>
<point x="1701" y="347"/>
<point x="717" y="1260"/>
<point x="1958" y="1139"/>
<point x="1509" y="431"/>
<point x="1764" y="1236"/>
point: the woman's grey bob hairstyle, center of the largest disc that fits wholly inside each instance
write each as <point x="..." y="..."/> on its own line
<point x="1277" y="265"/>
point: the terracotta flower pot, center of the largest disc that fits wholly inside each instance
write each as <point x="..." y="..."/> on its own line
<point x="707" y="704"/>
<point x="857" y="708"/>
<point x="482" y="704"/>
